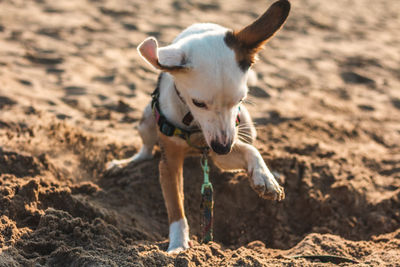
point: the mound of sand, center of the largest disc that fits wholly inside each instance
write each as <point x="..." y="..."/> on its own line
<point x="327" y="106"/>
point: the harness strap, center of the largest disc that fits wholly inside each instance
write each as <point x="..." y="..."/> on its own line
<point x="165" y="126"/>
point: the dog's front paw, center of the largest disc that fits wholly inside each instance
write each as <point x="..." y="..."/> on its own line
<point x="264" y="183"/>
<point x="178" y="236"/>
<point x="178" y="249"/>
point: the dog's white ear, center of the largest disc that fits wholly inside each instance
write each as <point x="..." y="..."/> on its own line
<point x="249" y="40"/>
<point x="169" y="58"/>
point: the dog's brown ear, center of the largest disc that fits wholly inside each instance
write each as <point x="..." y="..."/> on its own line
<point x="249" y="40"/>
<point x="166" y="59"/>
<point x="261" y="30"/>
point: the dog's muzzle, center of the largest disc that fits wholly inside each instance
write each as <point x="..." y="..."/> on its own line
<point x="220" y="148"/>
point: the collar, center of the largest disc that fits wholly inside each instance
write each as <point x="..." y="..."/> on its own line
<point x="165" y="126"/>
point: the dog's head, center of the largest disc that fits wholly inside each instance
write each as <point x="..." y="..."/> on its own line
<point x="211" y="68"/>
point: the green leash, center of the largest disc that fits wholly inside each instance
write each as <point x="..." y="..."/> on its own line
<point x="207" y="202"/>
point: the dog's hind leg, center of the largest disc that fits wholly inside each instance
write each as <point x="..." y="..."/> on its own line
<point x="148" y="133"/>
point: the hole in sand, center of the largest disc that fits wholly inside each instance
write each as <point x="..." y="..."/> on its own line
<point x="313" y="204"/>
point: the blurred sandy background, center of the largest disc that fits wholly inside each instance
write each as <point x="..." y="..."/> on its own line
<point x="327" y="106"/>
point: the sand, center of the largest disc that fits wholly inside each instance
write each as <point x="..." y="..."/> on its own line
<point x="327" y="108"/>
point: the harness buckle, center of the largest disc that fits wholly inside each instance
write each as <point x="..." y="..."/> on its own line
<point x="167" y="128"/>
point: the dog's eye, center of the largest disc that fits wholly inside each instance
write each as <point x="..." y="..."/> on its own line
<point x="199" y="104"/>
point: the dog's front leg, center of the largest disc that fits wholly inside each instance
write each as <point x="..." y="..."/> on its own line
<point x="171" y="180"/>
<point x="245" y="156"/>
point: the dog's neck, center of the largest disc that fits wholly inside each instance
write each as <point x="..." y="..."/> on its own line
<point x="171" y="104"/>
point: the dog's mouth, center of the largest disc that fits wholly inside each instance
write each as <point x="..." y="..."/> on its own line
<point x="197" y="140"/>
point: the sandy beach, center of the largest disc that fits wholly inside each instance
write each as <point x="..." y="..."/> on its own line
<point x="326" y="105"/>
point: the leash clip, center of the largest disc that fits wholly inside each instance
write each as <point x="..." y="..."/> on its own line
<point x="207" y="202"/>
<point x="206" y="171"/>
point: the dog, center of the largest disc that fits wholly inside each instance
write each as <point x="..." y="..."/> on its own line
<point x="201" y="87"/>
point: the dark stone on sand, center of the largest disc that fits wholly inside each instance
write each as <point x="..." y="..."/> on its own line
<point x="54" y="70"/>
<point x="62" y="116"/>
<point x="75" y="90"/>
<point x="396" y="103"/>
<point x="355" y="78"/>
<point x="104" y="79"/>
<point x="5" y="101"/>
<point x="130" y="26"/>
<point x="366" y="107"/>
<point x="45" y="59"/>
<point x="25" y="82"/>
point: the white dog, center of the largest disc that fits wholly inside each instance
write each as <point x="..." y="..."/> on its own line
<point x="201" y="88"/>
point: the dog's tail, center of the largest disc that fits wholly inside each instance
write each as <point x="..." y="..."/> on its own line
<point x="252" y="78"/>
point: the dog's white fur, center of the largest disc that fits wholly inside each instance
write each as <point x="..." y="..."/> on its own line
<point x="213" y="78"/>
<point x="210" y="74"/>
<point x="178" y="236"/>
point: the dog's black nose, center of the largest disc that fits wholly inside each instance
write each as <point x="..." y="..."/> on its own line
<point x="220" y="148"/>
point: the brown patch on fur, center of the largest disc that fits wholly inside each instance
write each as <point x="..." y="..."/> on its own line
<point x="249" y="41"/>
<point x="244" y="57"/>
